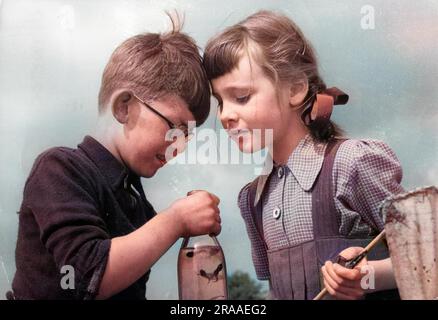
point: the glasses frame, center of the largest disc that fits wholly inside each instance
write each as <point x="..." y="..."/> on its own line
<point x="172" y="126"/>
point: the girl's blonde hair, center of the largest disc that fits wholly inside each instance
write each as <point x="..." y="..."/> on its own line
<point x="279" y="47"/>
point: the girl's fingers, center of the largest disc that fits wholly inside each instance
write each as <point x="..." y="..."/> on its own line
<point x="344" y="287"/>
<point x="329" y="288"/>
<point x="337" y="287"/>
<point x="338" y="278"/>
<point x="330" y="284"/>
<point x="348" y="274"/>
<point x="351" y="252"/>
<point x="342" y="293"/>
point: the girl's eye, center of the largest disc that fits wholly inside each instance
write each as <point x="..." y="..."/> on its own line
<point x="243" y="99"/>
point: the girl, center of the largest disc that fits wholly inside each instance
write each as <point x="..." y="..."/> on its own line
<point x="322" y="196"/>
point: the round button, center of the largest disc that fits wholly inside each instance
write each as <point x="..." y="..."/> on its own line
<point x="276" y="213"/>
<point x="280" y="172"/>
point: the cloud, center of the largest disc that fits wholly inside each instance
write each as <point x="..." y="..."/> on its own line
<point x="432" y="175"/>
<point x="412" y="31"/>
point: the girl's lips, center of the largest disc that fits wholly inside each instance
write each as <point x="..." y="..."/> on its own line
<point x="236" y="133"/>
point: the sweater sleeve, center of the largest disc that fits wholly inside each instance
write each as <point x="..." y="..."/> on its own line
<point x="60" y="197"/>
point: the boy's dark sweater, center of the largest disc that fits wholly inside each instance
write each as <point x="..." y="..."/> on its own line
<point x="74" y="202"/>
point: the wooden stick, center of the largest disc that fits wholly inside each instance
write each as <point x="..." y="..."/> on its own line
<point x="356" y="260"/>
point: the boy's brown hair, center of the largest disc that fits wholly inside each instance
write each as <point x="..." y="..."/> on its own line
<point x="153" y="65"/>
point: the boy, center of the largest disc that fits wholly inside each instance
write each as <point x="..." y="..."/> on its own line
<point x="84" y="209"/>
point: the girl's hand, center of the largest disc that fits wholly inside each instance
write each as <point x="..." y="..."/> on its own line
<point x="343" y="283"/>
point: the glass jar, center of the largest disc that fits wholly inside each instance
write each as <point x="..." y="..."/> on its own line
<point x="201" y="269"/>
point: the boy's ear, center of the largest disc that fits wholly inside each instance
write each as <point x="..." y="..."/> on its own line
<point x="297" y="92"/>
<point x="120" y="105"/>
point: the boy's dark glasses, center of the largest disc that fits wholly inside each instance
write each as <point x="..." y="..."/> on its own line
<point x="176" y="129"/>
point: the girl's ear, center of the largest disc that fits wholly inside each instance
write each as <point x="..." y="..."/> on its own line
<point x="297" y="92"/>
<point x="120" y="105"/>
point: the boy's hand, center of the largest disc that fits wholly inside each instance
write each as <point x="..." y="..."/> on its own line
<point x="343" y="283"/>
<point x="198" y="214"/>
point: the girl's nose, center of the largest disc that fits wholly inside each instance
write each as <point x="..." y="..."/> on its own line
<point x="228" y="116"/>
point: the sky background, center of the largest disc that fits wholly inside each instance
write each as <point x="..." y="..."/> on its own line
<point x="52" y="54"/>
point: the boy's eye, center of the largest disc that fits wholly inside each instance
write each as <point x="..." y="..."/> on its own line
<point x="243" y="99"/>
